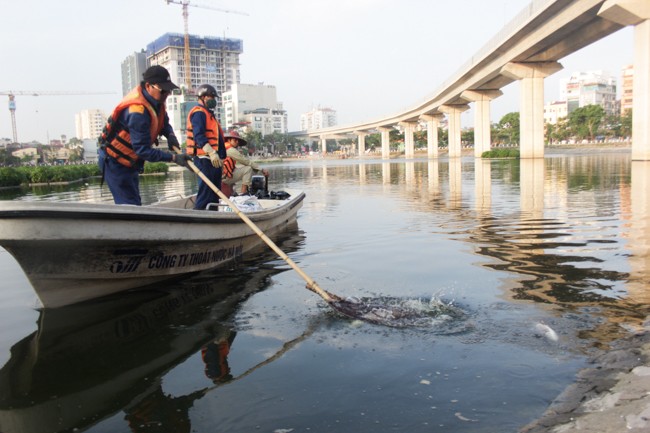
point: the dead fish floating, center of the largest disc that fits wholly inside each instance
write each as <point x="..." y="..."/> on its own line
<point x="543" y="330"/>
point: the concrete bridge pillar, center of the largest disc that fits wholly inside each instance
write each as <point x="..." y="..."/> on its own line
<point x="323" y="145"/>
<point x="636" y="13"/>
<point x="482" y="127"/>
<point x="433" y="122"/>
<point x="361" y="142"/>
<point x="409" y="143"/>
<point x="453" y="125"/>
<point x="531" y="112"/>
<point x="385" y="142"/>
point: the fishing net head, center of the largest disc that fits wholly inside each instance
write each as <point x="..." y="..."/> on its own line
<point x="399" y="312"/>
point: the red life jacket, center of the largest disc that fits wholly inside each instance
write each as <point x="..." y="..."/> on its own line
<point x="228" y="164"/>
<point x="212" y="131"/>
<point x="117" y="140"/>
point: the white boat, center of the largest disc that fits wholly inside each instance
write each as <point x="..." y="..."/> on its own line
<point x="73" y="252"/>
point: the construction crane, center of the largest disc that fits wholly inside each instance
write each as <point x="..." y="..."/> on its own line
<point x="185" y="4"/>
<point x="12" y="101"/>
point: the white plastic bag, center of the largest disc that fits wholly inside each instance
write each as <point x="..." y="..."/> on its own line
<point x="245" y="203"/>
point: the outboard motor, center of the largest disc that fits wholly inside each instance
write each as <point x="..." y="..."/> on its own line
<point x="259" y="186"/>
<point x="260" y="189"/>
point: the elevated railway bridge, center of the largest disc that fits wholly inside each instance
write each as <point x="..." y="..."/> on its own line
<point x="527" y="49"/>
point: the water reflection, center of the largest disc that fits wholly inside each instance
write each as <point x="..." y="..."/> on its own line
<point x="433" y="177"/>
<point x="558" y="240"/>
<point x="482" y="186"/>
<point x="532" y="186"/>
<point x="637" y="231"/>
<point x="455" y="183"/>
<point x="88" y="361"/>
<point x="385" y="173"/>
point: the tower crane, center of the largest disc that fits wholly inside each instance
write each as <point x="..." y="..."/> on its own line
<point x="185" y="4"/>
<point x="12" y="101"/>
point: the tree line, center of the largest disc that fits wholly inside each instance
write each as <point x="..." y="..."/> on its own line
<point x="585" y="123"/>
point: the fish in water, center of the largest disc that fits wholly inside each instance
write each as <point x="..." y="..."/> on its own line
<point x="543" y="330"/>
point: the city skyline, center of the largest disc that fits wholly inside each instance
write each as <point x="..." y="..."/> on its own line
<point x="365" y="59"/>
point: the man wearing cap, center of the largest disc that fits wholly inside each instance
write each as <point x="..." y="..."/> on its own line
<point x="205" y="143"/>
<point x="130" y="133"/>
<point x="236" y="166"/>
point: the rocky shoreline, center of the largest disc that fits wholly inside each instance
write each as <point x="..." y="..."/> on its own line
<point x="611" y="396"/>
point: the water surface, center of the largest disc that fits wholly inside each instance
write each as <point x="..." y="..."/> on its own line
<point x="510" y="245"/>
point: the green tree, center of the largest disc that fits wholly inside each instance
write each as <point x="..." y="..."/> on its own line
<point x="467" y="135"/>
<point x="558" y="131"/>
<point x="76" y="154"/>
<point x="443" y="137"/>
<point x="584" y="122"/>
<point x="254" y="139"/>
<point x="626" y="124"/>
<point x="6" y="158"/>
<point x="507" y="130"/>
<point x="74" y="141"/>
<point x="420" y="139"/>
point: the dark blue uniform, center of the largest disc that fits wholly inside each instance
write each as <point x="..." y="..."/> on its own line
<point x="205" y="195"/>
<point x="123" y="181"/>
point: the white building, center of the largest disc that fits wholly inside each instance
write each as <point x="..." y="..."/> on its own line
<point x="318" y="118"/>
<point x="90" y="150"/>
<point x="589" y="88"/>
<point x="554" y="111"/>
<point x="266" y="121"/>
<point x="90" y="123"/>
<point x="256" y="106"/>
<point x="627" y="89"/>
<point x="132" y="69"/>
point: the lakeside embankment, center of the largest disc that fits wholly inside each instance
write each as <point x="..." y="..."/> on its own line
<point x="610" y="396"/>
<point x="465" y="151"/>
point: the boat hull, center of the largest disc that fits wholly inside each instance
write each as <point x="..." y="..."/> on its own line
<point x="76" y="252"/>
<point x="87" y="362"/>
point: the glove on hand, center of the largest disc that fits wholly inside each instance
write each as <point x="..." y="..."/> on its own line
<point x="172" y="143"/>
<point x="214" y="158"/>
<point x="181" y="159"/>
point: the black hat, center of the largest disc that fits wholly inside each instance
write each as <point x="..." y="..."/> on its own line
<point x="158" y="75"/>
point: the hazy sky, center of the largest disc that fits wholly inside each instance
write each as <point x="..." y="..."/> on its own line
<point x="363" y="58"/>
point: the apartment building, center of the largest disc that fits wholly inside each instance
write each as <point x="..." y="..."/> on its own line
<point x="317" y="118"/>
<point x="554" y="111"/>
<point x="254" y="106"/>
<point x="132" y="69"/>
<point x="627" y="88"/>
<point x="90" y="123"/>
<point x="589" y="88"/>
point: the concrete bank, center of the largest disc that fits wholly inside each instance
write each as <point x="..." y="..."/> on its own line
<point x="611" y="396"/>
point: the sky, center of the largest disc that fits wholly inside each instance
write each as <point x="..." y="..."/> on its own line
<point x="366" y="59"/>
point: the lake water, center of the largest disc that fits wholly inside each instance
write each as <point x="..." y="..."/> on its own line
<point x="516" y="246"/>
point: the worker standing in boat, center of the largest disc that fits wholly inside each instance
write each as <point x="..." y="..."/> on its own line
<point x="236" y="166"/>
<point x="205" y="143"/>
<point x="130" y="133"/>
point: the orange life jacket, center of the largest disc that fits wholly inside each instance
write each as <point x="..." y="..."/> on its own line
<point x="228" y="164"/>
<point x="212" y="131"/>
<point x="116" y="138"/>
